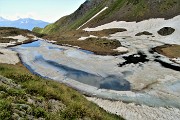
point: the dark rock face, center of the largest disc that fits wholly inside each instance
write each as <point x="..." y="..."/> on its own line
<point x="166" y="31"/>
<point x="135" y="59"/>
<point x="167" y="65"/>
<point x="143" y="33"/>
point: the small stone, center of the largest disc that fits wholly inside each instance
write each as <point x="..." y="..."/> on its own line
<point x="15" y="116"/>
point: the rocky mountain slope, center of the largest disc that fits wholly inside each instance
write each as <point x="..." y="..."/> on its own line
<point x="23" y="23"/>
<point x="117" y="10"/>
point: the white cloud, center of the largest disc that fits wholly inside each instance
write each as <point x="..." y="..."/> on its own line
<point x="30" y="15"/>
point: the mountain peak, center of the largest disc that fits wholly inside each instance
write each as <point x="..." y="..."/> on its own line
<point x="2" y="19"/>
<point x="23" y="23"/>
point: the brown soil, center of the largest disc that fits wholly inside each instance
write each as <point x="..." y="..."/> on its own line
<point x="10" y="31"/>
<point x="171" y="51"/>
<point x="97" y="45"/>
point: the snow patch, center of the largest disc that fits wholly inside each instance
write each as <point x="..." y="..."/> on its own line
<point x="121" y="49"/>
<point x="84" y="38"/>
<point x="8" y="56"/>
<point x="151" y="25"/>
<point x="93" y="17"/>
<point x="20" y="38"/>
<point x="177" y="60"/>
<point x="132" y="111"/>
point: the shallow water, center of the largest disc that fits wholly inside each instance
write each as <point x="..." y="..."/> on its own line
<point x="33" y="44"/>
<point x="93" y="74"/>
<point x="110" y="82"/>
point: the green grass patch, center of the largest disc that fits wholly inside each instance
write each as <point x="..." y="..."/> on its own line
<point x="167" y="4"/>
<point x="76" y="104"/>
<point x="86" y="17"/>
<point x="5" y="110"/>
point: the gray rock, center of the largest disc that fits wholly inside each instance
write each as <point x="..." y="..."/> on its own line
<point x="20" y="113"/>
<point x="166" y="31"/>
<point x="15" y="116"/>
<point x="55" y="105"/>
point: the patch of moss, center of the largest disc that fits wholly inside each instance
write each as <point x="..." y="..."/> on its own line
<point x="140" y="8"/>
<point x="5" y="110"/>
<point x="166" y="5"/>
<point x="86" y="17"/>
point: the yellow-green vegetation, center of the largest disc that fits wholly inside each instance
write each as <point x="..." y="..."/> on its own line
<point x="60" y="24"/>
<point x="10" y="31"/>
<point x="112" y="8"/>
<point x="121" y="10"/>
<point x="167" y="4"/>
<point x="86" y="17"/>
<point x="48" y="29"/>
<point x="29" y="96"/>
<point x="171" y="51"/>
<point x="140" y="9"/>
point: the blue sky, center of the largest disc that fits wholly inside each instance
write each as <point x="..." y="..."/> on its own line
<point x="47" y="10"/>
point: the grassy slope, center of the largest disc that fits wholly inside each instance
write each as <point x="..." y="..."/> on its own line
<point x="59" y="25"/>
<point x="131" y="10"/>
<point x="76" y="105"/>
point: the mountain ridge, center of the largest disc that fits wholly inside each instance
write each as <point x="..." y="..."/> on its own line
<point x="23" y="23"/>
<point x="118" y="10"/>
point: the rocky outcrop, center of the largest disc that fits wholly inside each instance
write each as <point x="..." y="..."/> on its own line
<point x="166" y="31"/>
<point x="143" y="33"/>
<point x="24" y="105"/>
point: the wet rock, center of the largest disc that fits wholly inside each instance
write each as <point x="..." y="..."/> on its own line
<point x="166" y="31"/>
<point x="143" y="33"/>
<point x="135" y="58"/>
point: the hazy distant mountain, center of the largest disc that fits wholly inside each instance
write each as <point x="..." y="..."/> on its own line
<point x="23" y="23"/>
<point x="2" y="19"/>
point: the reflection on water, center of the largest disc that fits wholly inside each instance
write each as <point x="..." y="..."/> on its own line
<point x="61" y="49"/>
<point x="110" y="82"/>
<point x="33" y="44"/>
<point x="87" y="52"/>
<point x="39" y="62"/>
